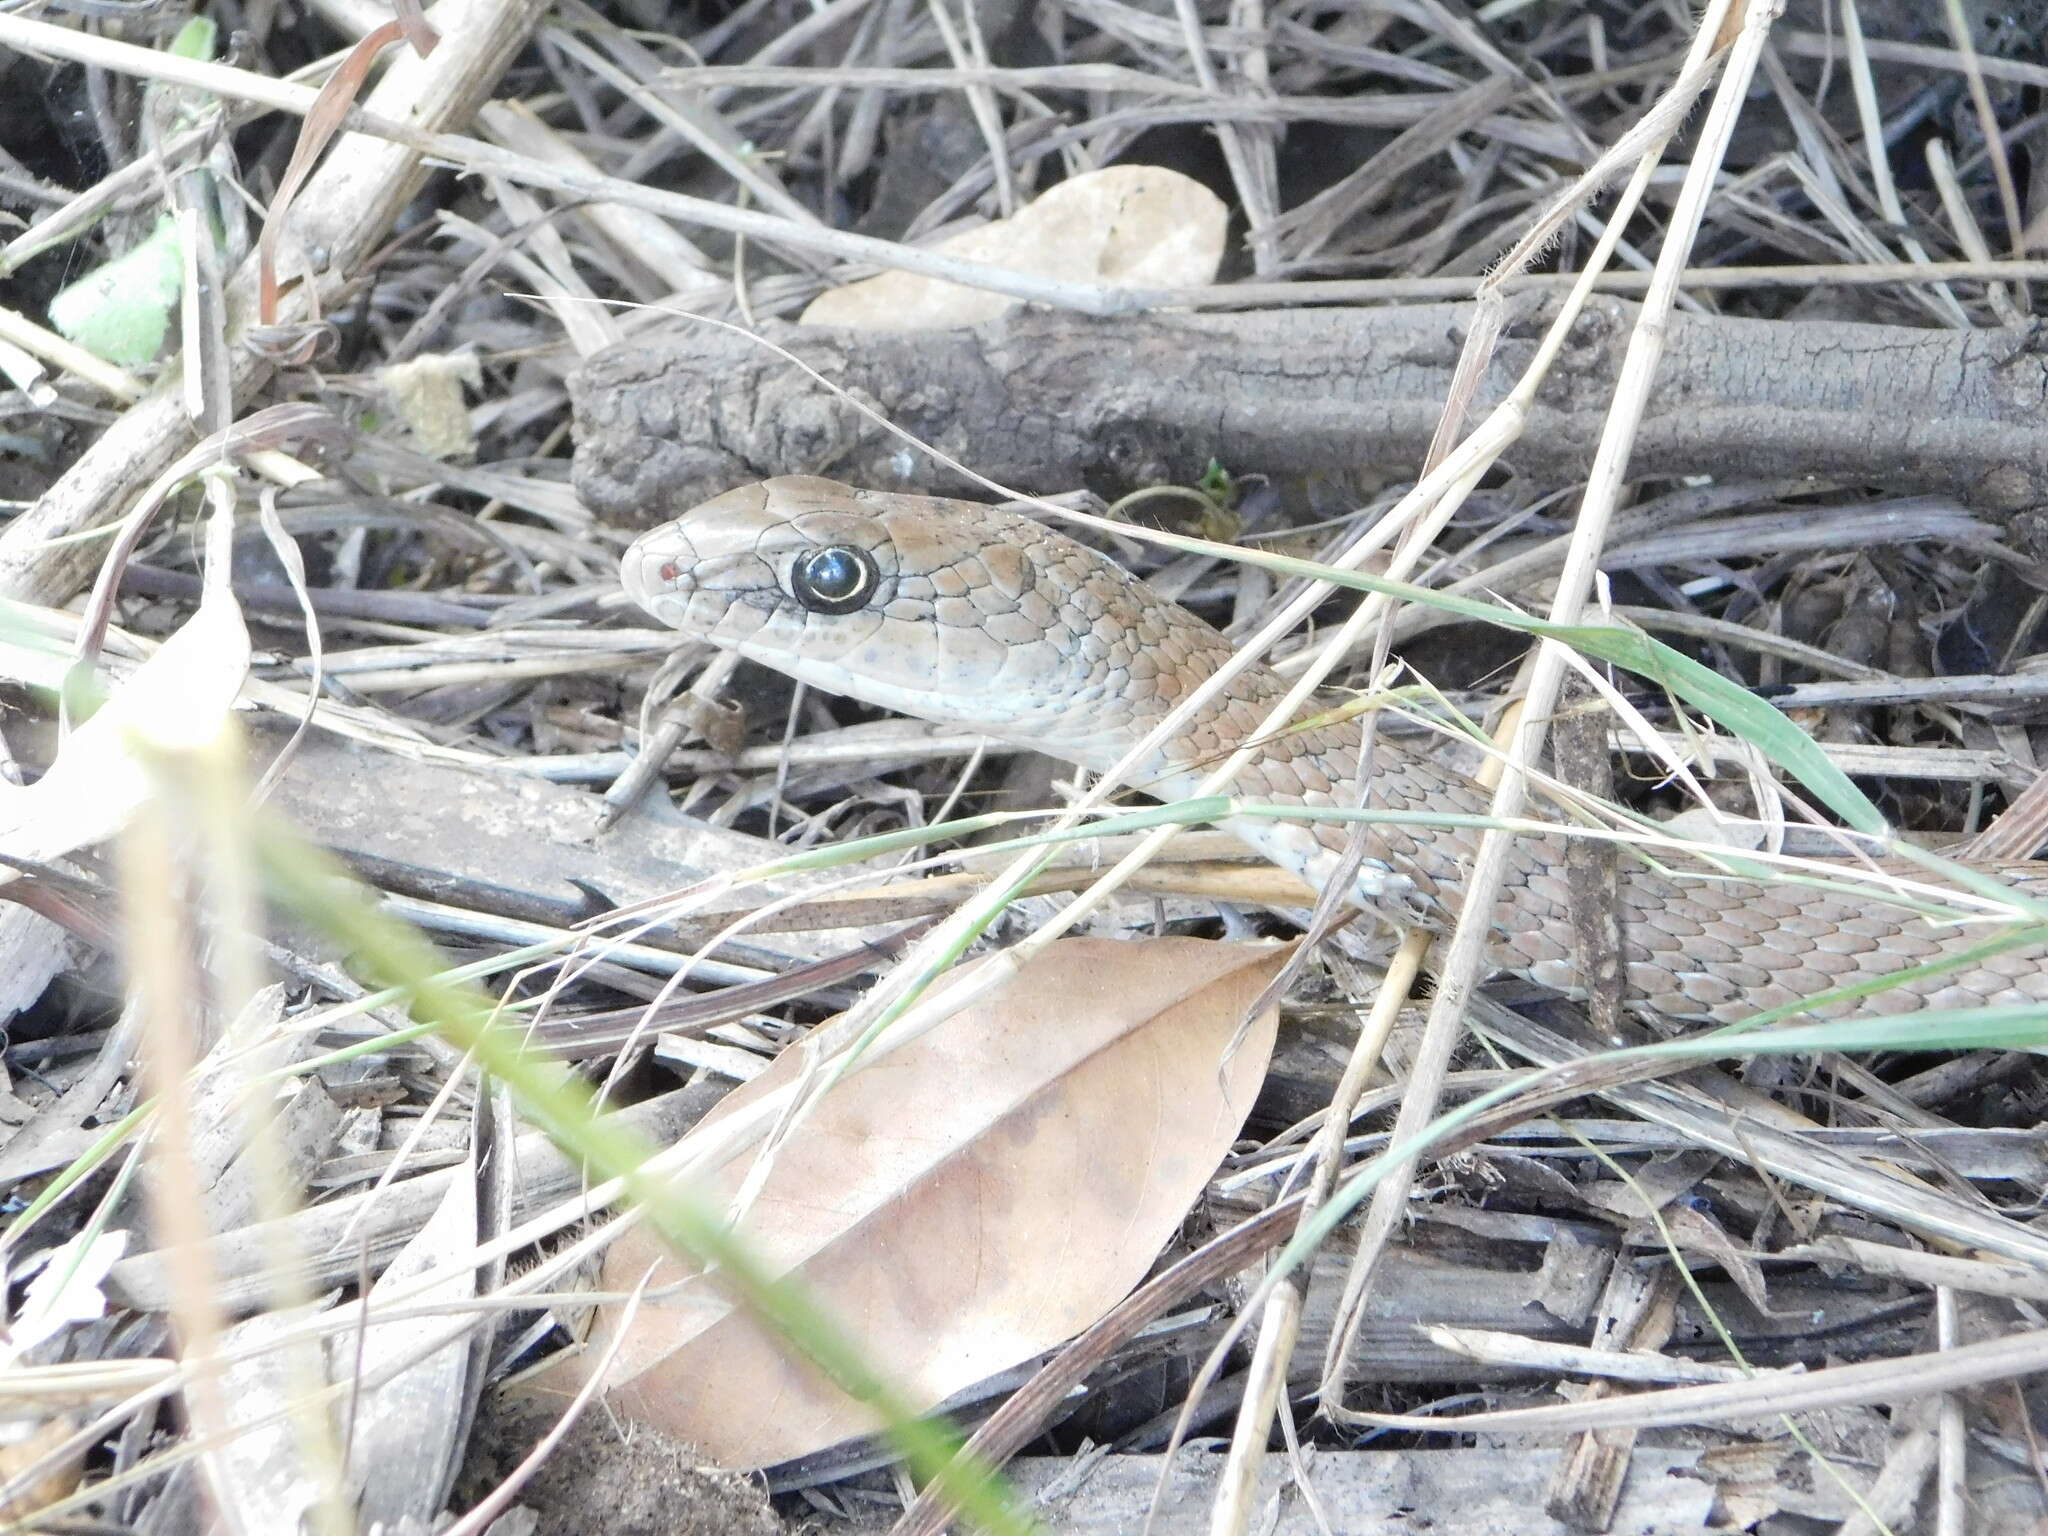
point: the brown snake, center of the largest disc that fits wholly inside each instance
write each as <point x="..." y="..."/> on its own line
<point x="962" y="613"/>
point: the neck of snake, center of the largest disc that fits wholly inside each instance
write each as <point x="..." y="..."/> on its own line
<point x="1409" y="873"/>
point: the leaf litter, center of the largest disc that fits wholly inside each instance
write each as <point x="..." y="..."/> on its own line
<point x="1439" y="138"/>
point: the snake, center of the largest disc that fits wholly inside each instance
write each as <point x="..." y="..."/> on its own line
<point x="990" y="620"/>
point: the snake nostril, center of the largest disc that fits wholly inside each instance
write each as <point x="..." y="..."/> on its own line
<point x="668" y="570"/>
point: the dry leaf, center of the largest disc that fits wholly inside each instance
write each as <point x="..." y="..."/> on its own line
<point x="257" y="1480"/>
<point x="24" y="1443"/>
<point x="973" y="1199"/>
<point x="403" y="1432"/>
<point x="65" y="1290"/>
<point x="97" y="777"/>
<point x="426" y="392"/>
<point x="1130" y="226"/>
<point x="177" y="699"/>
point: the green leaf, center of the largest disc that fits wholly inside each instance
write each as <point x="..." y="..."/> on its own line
<point x="120" y="311"/>
<point x="1728" y="704"/>
<point x="197" y="39"/>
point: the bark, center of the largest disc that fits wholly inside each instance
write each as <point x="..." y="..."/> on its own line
<point x="1046" y="401"/>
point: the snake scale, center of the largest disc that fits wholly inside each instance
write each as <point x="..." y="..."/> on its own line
<point x="978" y="617"/>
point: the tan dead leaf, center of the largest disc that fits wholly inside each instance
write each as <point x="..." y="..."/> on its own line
<point x="426" y="392"/>
<point x="28" y="1441"/>
<point x="1130" y="226"/>
<point x="973" y="1199"/>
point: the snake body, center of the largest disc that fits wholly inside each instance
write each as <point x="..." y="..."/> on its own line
<point x="966" y="614"/>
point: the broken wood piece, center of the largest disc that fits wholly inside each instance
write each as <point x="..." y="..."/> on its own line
<point x="1638" y="1313"/>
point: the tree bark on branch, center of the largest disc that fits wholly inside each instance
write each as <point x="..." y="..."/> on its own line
<point x="1046" y="402"/>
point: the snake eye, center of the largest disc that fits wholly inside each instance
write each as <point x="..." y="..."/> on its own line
<point x="835" y="579"/>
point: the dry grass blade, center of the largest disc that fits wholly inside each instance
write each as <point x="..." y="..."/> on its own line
<point x="1326" y="277"/>
<point x="344" y="211"/>
<point x="2015" y="1356"/>
<point x="323" y="121"/>
<point x="1462" y="960"/>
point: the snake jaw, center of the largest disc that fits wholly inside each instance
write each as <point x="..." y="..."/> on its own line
<point x="978" y="616"/>
<point x="722" y="572"/>
<point x="727" y="572"/>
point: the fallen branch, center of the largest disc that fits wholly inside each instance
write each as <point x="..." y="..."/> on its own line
<point x="1047" y="401"/>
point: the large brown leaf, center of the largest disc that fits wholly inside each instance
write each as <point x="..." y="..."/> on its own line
<point x="973" y="1199"/>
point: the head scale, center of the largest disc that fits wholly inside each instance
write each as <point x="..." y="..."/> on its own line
<point x="945" y="609"/>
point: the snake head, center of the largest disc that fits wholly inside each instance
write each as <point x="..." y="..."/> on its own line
<point x="945" y="609"/>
